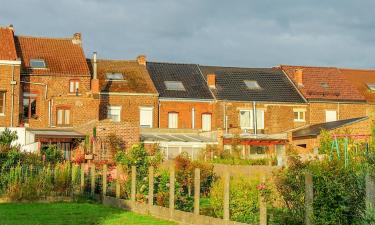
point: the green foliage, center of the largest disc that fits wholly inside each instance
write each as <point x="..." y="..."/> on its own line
<point x="244" y="202"/>
<point x="6" y="139"/>
<point x="338" y="191"/>
<point x="236" y="161"/>
<point x="52" y="154"/>
<point x="325" y="142"/>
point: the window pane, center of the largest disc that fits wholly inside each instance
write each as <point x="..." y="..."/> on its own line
<point x="2" y="102"/>
<point x="37" y="63"/>
<point x="174" y="85"/>
<point x="260" y="119"/>
<point x="146" y="117"/>
<point x="114" y="76"/>
<point x="172" y="120"/>
<point x="251" y="84"/>
<point x="26" y="108"/>
<point x="114" y="113"/>
<point x="59" y="117"/>
<point x="246" y="119"/>
<point x="67" y="117"/>
<point x="206" y="122"/>
<point x="33" y="107"/>
<point x="71" y="86"/>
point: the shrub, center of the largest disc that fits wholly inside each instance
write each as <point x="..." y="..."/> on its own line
<point x="51" y="154"/>
<point x="244" y="206"/>
<point x="6" y="139"/>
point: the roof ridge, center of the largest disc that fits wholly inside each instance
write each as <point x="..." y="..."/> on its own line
<point x="236" y="67"/>
<point x="344" y="68"/>
<point x="53" y="38"/>
<point x="175" y="63"/>
<point x="327" y="67"/>
<point x="114" y="60"/>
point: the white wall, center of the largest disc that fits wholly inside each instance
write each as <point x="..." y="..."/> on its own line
<point x="25" y="138"/>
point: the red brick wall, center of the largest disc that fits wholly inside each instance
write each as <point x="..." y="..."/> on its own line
<point x="5" y="80"/>
<point x="130" y="106"/>
<point x="277" y="117"/>
<point x="184" y="110"/>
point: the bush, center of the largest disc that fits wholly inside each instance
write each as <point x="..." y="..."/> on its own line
<point x="249" y="162"/>
<point x="51" y="154"/>
<point x="338" y="192"/>
<point x="244" y="205"/>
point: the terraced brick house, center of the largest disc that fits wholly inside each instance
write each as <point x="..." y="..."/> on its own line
<point x="186" y="109"/>
<point x="331" y="96"/>
<point x="255" y="108"/>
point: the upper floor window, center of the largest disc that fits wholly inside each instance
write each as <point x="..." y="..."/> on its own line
<point x="173" y="120"/>
<point x="206" y="122"/>
<point x="73" y="86"/>
<point x="145" y="117"/>
<point x="331" y="115"/>
<point x="299" y="115"/>
<point x="114" y="76"/>
<point x="37" y="63"/>
<point x="63" y="117"/>
<point x="2" y="102"/>
<point x="252" y="84"/>
<point x="174" y="86"/>
<point x="29" y="105"/>
<point x="114" y="113"/>
<point x="247" y="119"/>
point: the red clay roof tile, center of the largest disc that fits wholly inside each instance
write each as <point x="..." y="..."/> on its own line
<point x="7" y="46"/>
<point x="337" y="88"/>
<point x="61" y="55"/>
<point x="361" y="79"/>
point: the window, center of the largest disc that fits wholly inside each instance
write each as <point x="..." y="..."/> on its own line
<point x="2" y="102"/>
<point x="29" y="105"/>
<point x="63" y="117"/>
<point x="73" y="86"/>
<point x="172" y="120"/>
<point x="331" y="115"/>
<point x="247" y="122"/>
<point x="146" y="114"/>
<point x="371" y="87"/>
<point x="114" y="113"/>
<point x="299" y="115"/>
<point x="37" y="63"/>
<point x="114" y="76"/>
<point x="174" y="86"/>
<point x="206" y="122"/>
<point x="251" y="84"/>
<point x="324" y="85"/>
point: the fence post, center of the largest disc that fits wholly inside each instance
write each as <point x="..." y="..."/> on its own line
<point x="134" y="180"/>
<point x="197" y="190"/>
<point x="262" y="207"/>
<point x="370" y="191"/>
<point x="104" y="180"/>
<point x="118" y="174"/>
<point x="151" y="185"/>
<point x="309" y="197"/>
<point x="171" y="189"/>
<point x="92" y="179"/>
<point x="226" y="195"/>
<point x="82" y="185"/>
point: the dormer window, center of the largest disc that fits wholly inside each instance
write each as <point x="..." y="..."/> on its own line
<point x="252" y="84"/>
<point x="371" y="87"/>
<point x="37" y="63"/>
<point x="114" y="76"/>
<point x="174" y="86"/>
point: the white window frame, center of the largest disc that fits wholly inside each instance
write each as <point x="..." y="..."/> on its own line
<point x="73" y="86"/>
<point x="145" y="108"/>
<point x="330" y="111"/>
<point x="66" y="117"/>
<point x="4" y="102"/>
<point x="174" y="85"/>
<point x="301" y="115"/>
<point x="260" y="119"/>
<point x="114" y="108"/>
<point x="170" y="125"/>
<point x="209" y="127"/>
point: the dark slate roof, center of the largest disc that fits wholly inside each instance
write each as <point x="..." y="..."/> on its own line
<point x="189" y="74"/>
<point x="275" y="86"/>
<point x="314" y="130"/>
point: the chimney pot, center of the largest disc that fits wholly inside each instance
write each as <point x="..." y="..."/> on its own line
<point x="94" y="81"/>
<point x="211" y="80"/>
<point x="141" y="59"/>
<point x="298" y="75"/>
<point x="11" y="27"/>
<point x="77" y="38"/>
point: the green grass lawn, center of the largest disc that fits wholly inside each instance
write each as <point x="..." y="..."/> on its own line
<point x="70" y="213"/>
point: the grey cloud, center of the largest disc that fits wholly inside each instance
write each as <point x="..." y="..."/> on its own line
<point x="255" y="33"/>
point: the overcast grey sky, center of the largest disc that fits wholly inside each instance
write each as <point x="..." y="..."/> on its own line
<point x="252" y="33"/>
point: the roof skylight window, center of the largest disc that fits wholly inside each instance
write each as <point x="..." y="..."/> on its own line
<point x="37" y="63"/>
<point x="371" y="87"/>
<point x="252" y="84"/>
<point x="324" y="85"/>
<point x="174" y="86"/>
<point x="114" y="76"/>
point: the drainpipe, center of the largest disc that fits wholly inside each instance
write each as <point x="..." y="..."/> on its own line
<point x="255" y="118"/>
<point x="338" y="110"/>
<point x="95" y="66"/>
<point x="159" y="114"/>
<point x="13" y="82"/>
<point x="193" y="118"/>
<point x="225" y="119"/>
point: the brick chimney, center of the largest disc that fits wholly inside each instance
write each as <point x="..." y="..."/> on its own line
<point x="10" y="27"/>
<point x="141" y="59"/>
<point x="211" y="80"/>
<point x="298" y="76"/>
<point x="77" y="38"/>
<point x="95" y="80"/>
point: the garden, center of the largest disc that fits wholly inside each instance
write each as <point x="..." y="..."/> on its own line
<point x="338" y="184"/>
